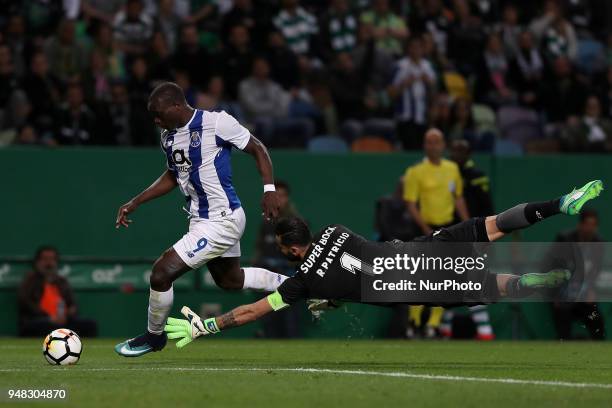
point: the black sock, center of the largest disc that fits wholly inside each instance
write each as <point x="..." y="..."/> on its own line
<point x="524" y="215"/>
<point x="152" y="339"/>
<point x="535" y="212"/>
<point x="515" y="290"/>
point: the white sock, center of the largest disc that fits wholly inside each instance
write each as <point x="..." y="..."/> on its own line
<point x="262" y="279"/>
<point x="160" y="304"/>
<point x="480" y="316"/>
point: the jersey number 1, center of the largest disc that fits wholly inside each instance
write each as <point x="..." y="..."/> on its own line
<point x="353" y="264"/>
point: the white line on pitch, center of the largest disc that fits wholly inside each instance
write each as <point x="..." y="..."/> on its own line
<point x="33" y="346"/>
<point x="398" y="374"/>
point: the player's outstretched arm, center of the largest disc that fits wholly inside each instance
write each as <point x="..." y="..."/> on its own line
<point x="163" y="185"/>
<point x="269" y="202"/>
<point x="188" y="330"/>
<point x="244" y="314"/>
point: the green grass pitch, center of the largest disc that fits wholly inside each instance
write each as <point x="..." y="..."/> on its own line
<point x="312" y="373"/>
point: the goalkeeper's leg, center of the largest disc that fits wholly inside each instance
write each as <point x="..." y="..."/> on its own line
<point x="524" y="215"/>
<point x="521" y="286"/>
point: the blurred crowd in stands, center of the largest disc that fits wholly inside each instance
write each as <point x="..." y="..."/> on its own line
<point x="508" y="76"/>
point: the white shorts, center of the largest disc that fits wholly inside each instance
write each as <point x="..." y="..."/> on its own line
<point x="211" y="238"/>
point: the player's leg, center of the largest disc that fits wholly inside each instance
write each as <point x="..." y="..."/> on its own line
<point x="166" y="269"/>
<point x="526" y="214"/>
<point x="496" y="286"/>
<point x="591" y="317"/>
<point x="414" y="320"/>
<point x="518" y="217"/>
<point x="521" y="286"/>
<point x="432" y="327"/>
<point x="225" y="268"/>
<point x="480" y="317"/>
<point x="228" y="275"/>
<point x="226" y="272"/>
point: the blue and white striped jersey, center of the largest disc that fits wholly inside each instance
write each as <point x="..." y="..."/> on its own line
<point x="198" y="154"/>
<point x="412" y="103"/>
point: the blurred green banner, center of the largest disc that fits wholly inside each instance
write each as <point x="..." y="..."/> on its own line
<point x="93" y="275"/>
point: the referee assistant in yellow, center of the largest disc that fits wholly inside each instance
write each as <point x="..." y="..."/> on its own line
<point x="433" y="188"/>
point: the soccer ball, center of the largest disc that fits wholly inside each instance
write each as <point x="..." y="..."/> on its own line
<point x="62" y="347"/>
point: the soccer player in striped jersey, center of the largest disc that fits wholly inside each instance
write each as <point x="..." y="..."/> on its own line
<point x="197" y="145"/>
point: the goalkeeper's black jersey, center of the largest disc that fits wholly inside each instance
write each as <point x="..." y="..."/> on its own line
<point x="330" y="269"/>
<point x="339" y="262"/>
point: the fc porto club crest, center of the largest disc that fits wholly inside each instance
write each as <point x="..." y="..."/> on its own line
<point x="196" y="138"/>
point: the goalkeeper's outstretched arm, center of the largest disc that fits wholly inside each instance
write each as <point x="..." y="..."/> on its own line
<point x="244" y="314"/>
<point x="193" y="327"/>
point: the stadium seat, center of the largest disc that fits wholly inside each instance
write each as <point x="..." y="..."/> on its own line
<point x="507" y="148"/>
<point x="456" y="85"/>
<point x="519" y="125"/>
<point x="482" y="142"/>
<point x="543" y="146"/>
<point x="7" y="137"/>
<point x="327" y="144"/>
<point x="484" y="118"/>
<point x="590" y="56"/>
<point x="372" y="144"/>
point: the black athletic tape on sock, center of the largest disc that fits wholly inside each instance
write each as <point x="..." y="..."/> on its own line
<point x="480" y="229"/>
<point x="524" y="215"/>
<point x="512" y="289"/>
<point x="516" y="290"/>
<point x="535" y="212"/>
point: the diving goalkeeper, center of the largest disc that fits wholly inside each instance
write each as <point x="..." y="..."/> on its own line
<point x="325" y="272"/>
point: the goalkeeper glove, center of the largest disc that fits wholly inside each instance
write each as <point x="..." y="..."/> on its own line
<point x="190" y="329"/>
